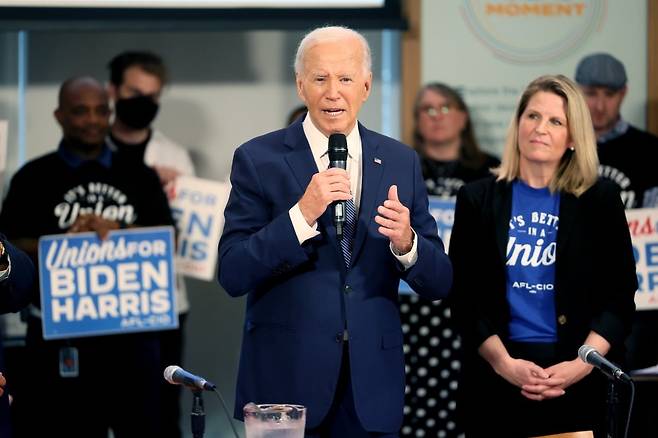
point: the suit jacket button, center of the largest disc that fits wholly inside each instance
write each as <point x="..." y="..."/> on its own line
<point x="347" y="289"/>
<point x="339" y="337"/>
<point x="562" y="319"/>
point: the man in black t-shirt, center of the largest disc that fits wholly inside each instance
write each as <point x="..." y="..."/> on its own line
<point x="83" y="187"/>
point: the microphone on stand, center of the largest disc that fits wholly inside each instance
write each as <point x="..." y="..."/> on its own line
<point x="178" y="376"/>
<point x="338" y="158"/>
<point x="589" y="355"/>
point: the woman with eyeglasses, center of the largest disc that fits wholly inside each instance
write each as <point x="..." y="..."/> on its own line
<point x="444" y="138"/>
<point x="450" y="158"/>
<point x="543" y="264"/>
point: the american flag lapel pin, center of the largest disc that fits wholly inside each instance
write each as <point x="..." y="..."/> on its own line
<point x="378" y="161"/>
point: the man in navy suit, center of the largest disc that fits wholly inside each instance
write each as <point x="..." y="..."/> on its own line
<point x="17" y="278"/>
<point x="322" y="326"/>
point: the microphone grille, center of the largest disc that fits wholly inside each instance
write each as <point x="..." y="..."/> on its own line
<point x="337" y="147"/>
<point x="169" y="373"/>
<point x="584" y="351"/>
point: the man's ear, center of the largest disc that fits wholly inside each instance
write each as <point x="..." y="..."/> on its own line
<point x="300" y="87"/>
<point x="368" y="86"/>
<point x="111" y="91"/>
<point x="623" y="91"/>
<point x="58" y="115"/>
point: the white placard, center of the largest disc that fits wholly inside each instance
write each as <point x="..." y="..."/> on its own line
<point x="643" y="225"/>
<point x="198" y="209"/>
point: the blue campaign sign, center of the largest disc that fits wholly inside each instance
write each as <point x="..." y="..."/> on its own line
<point x="93" y="287"/>
<point x="443" y="211"/>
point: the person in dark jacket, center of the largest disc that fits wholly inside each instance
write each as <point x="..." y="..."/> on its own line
<point x="17" y="279"/>
<point x="543" y="264"/>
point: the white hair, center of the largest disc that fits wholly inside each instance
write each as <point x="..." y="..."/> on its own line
<point x="331" y="33"/>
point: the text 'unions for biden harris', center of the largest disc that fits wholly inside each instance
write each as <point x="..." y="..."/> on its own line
<point x="108" y="279"/>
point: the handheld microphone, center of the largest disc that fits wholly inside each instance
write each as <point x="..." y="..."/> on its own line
<point x="589" y="355"/>
<point x="338" y="158"/>
<point x="178" y="376"/>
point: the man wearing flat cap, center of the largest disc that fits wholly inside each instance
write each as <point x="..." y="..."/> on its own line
<point x="623" y="149"/>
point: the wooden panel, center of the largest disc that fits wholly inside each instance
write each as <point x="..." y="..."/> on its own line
<point x="410" y="68"/>
<point x="652" y="63"/>
<point x="584" y="434"/>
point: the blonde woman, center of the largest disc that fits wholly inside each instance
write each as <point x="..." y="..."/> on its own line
<point x="543" y="264"/>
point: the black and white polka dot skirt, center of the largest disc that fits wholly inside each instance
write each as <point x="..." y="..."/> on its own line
<point x="431" y="348"/>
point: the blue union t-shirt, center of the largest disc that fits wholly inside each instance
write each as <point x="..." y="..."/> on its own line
<point x="531" y="263"/>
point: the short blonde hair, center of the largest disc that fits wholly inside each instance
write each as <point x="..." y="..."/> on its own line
<point x="331" y="33"/>
<point x="578" y="169"/>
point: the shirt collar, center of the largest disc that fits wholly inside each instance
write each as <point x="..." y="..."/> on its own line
<point x="73" y="160"/>
<point x="618" y="130"/>
<point x="318" y="141"/>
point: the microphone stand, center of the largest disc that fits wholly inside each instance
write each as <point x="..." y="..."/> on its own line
<point x="612" y="401"/>
<point x="616" y="424"/>
<point x="198" y="415"/>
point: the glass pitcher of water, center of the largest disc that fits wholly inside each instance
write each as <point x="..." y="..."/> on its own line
<point x="274" y="421"/>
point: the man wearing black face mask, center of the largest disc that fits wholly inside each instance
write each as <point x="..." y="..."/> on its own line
<point x="136" y="82"/>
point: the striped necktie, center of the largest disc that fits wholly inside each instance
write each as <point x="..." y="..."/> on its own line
<point x="348" y="231"/>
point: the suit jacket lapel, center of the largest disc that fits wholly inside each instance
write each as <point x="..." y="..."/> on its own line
<point x="568" y="206"/>
<point x="303" y="167"/>
<point x="370" y="181"/>
<point x="502" y="211"/>
<point x="299" y="158"/>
